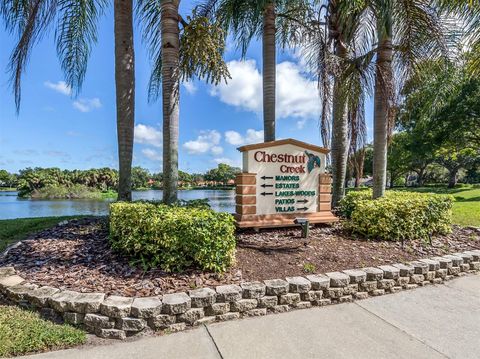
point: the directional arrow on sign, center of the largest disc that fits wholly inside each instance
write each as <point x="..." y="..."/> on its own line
<point x="265" y="177"/>
<point x="266" y="193"/>
<point x="302" y="201"/>
<point x="266" y="185"/>
<point x="302" y="209"/>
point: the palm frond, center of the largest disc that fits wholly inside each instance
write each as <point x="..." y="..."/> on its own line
<point x="75" y="33"/>
<point x="31" y="20"/>
<point x="149" y="17"/>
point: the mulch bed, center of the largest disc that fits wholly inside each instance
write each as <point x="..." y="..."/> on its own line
<point x="77" y="256"/>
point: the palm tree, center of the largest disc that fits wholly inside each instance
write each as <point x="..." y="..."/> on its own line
<point x="412" y="31"/>
<point x="177" y="55"/>
<point x="75" y="34"/>
<point x="170" y="96"/>
<point x="270" y="19"/>
<point x="125" y="94"/>
<point x="337" y="50"/>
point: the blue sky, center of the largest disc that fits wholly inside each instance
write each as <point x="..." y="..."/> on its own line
<point x="55" y="129"/>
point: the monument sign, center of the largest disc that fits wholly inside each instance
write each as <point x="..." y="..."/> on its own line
<point x="283" y="180"/>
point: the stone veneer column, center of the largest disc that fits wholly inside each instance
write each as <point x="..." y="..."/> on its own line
<point x="324" y="192"/>
<point x="246" y="190"/>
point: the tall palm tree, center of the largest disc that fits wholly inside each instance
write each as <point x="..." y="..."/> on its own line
<point x="194" y="51"/>
<point x="383" y="95"/>
<point x="269" y="73"/>
<point x="414" y="31"/>
<point x="170" y="96"/>
<point x="125" y="94"/>
<point x="270" y="19"/>
<point x="337" y="48"/>
<point x="75" y="33"/>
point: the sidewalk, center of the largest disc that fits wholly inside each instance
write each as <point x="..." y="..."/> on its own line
<point x="432" y="322"/>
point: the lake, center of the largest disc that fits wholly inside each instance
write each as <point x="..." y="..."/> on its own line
<point x="13" y="207"/>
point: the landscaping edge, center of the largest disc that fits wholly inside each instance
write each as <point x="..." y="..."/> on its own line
<point x="116" y="317"/>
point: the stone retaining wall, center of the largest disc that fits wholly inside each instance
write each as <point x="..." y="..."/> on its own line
<point x="118" y="317"/>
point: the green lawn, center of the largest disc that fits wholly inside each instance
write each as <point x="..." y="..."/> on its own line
<point x="23" y="332"/>
<point x="466" y="209"/>
<point x="14" y="230"/>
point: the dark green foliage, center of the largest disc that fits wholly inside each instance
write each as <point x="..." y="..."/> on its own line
<point x="397" y="215"/>
<point x="37" y="180"/>
<point x="223" y="173"/>
<point x="140" y="177"/>
<point x="173" y="238"/>
<point x="7" y="179"/>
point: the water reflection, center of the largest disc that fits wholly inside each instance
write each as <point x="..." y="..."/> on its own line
<point x="13" y="207"/>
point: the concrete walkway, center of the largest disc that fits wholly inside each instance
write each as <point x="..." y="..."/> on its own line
<point x="432" y="322"/>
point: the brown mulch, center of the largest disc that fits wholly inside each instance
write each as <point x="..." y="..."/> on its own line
<point x="77" y="256"/>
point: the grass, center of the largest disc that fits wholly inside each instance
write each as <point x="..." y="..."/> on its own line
<point x="23" y="332"/>
<point x="466" y="209"/>
<point x="14" y="230"/>
<point x="7" y="189"/>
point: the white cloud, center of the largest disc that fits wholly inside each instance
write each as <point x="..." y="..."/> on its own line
<point x="87" y="104"/>
<point x="217" y="150"/>
<point x="60" y="87"/>
<point x="206" y="141"/>
<point x="225" y="160"/>
<point x="301" y="123"/>
<point x="236" y="139"/>
<point x="190" y="87"/>
<point x="152" y="154"/>
<point x="297" y="95"/>
<point x="244" y="89"/>
<point x="148" y="135"/>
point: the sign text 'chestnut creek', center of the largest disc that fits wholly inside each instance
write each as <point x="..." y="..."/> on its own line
<point x="286" y="178"/>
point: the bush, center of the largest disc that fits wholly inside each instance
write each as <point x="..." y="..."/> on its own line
<point x="349" y="202"/>
<point x="76" y="191"/>
<point x="173" y="238"/>
<point x="397" y="215"/>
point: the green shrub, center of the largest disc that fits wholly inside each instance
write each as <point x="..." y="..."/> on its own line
<point x="349" y="202"/>
<point x="398" y="215"/>
<point x="171" y="237"/>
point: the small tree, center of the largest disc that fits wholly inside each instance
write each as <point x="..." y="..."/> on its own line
<point x="223" y="173"/>
<point x="453" y="158"/>
<point x="398" y="157"/>
<point x="140" y="177"/>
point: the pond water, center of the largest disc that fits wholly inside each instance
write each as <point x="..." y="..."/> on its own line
<point x="13" y="207"/>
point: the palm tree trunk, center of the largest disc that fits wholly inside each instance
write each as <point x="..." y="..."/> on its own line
<point x="170" y="97"/>
<point x="339" y="143"/>
<point x="383" y="87"/>
<point x="125" y="94"/>
<point x="269" y="72"/>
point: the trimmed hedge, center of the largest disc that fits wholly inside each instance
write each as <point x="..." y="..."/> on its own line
<point x="173" y="238"/>
<point x="397" y="215"/>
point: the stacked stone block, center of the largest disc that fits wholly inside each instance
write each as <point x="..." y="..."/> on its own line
<point x="118" y="317"/>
